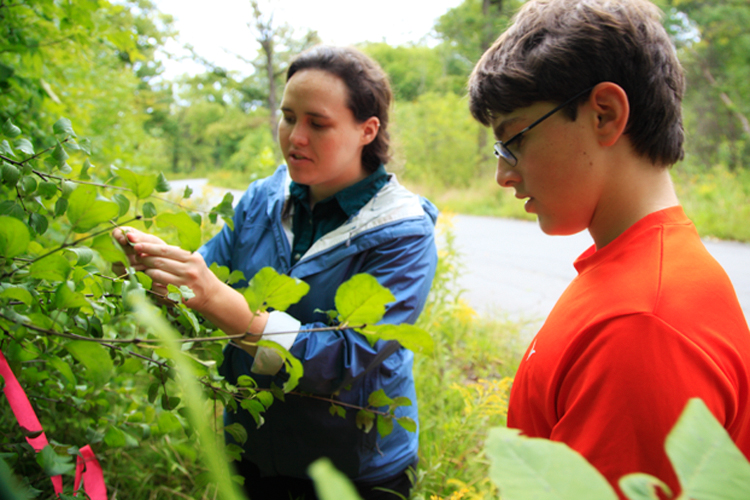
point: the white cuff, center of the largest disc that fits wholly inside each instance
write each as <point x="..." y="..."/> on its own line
<point x="268" y="361"/>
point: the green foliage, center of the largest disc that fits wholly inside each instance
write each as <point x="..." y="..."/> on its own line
<point x="437" y="140"/>
<point x="714" y="47"/>
<point x="717" y="200"/>
<point x="415" y="70"/>
<point x="472" y="26"/>
<point x="90" y="61"/>
<point x="708" y="465"/>
<point x="106" y="366"/>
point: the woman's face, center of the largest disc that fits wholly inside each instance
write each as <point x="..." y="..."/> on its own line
<point x="319" y="136"/>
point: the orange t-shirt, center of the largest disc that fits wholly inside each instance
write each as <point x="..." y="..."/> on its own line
<point x="650" y="321"/>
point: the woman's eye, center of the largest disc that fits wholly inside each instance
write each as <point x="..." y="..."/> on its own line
<point x="317" y="125"/>
<point x="288" y="119"/>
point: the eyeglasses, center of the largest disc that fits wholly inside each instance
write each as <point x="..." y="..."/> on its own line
<point x="501" y="148"/>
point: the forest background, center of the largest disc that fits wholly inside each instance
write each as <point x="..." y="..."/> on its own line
<point x="94" y="62"/>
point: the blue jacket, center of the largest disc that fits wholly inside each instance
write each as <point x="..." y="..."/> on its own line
<point x="391" y="238"/>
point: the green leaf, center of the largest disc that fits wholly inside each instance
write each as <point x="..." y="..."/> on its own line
<point x="61" y="205"/>
<point x="187" y="230"/>
<point x="28" y="184"/>
<point x="365" y="420"/>
<point x="14" y="237"/>
<point x="84" y="255"/>
<point x="538" y="468"/>
<point x="379" y="398"/>
<point x="123" y="202"/>
<point x="6" y="149"/>
<point x="401" y="401"/>
<point x="268" y="288"/>
<point x="221" y="272"/>
<point x="407" y="423"/>
<point x="237" y="431"/>
<point x="337" y="411"/>
<point x="707" y="462"/>
<point x="25" y="146"/>
<point x="52" y="463"/>
<point x="362" y="300"/>
<point x="63" y="368"/>
<point x="331" y="484"/>
<point x="85" y="170"/>
<point x="409" y="336"/>
<point x="10" y="130"/>
<point x="149" y="212"/>
<point x="293" y="365"/>
<point x="385" y="425"/>
<point x="11" y="174"/>
<point x="640" y="486"/>
<point x="225" y="209"/>
<point x="246" y="381"/>
<point x="53" y="267"/>
<point x="38" y="223"/>
<point x="65" y="298"/>
<point x="85" y="211"/>
<point x="141" y="185"/>
<point x="63" y="127"/>
<point x="168" y="423"/>
<point x="67" y="188"/>
<point x="162" y="184"/>
<point x="60" y="156"/>
<point x="114" y="437"/>
<point x="47" y="189"/>
<point x="94" y="357"/>
<point x="233" y="452"/>
<point x="176" y="294"/>
<point x="105" y="246"/>
<point x="188" y="192"/>
<point x="265" y="398"/>
<point x="256" y="410"/>
<point x="17" y="292"/>
<point x="235" y="277"/>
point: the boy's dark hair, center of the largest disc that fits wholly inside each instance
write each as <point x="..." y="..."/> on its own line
<point x="369" y="91"/>
<point x="557" y="48"/>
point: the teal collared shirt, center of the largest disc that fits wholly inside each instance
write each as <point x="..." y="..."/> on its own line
<point x="308" y="226"/>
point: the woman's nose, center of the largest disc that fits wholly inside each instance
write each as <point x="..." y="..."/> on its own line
<point x="298" y="135"/>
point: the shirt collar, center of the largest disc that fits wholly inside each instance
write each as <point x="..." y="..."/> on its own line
<point x="351" y="199"/>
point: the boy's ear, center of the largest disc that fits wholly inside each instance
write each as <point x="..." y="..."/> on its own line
<point x="610" y="103"/>
<point x="370" y="128"/>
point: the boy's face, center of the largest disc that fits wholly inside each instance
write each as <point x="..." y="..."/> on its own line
<point x="558" y="171"/>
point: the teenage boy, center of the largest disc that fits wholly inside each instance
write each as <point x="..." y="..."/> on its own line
<point x="584" y="98"/>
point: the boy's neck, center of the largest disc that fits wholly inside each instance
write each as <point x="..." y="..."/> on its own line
<point x="636" y="190"/>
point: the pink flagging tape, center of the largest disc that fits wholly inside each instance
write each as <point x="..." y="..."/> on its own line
<point x="87" y="466"/>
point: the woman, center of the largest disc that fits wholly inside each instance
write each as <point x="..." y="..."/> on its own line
<point x="340" y="214"/>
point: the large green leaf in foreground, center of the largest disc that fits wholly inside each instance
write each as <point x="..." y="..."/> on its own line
<point x="708" y="464"/>
<point x="330" y="483"/>
<point x="525" y="468"/>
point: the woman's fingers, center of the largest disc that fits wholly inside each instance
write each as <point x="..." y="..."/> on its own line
<point x="160" y="249"/>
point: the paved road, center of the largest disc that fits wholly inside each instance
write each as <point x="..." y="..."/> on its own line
<point x="512" y="269"/>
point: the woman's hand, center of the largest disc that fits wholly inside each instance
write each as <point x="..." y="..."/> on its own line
<point x="171" y="265"/>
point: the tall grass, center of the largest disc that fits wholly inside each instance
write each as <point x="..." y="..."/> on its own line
<point x="462" y="388"/>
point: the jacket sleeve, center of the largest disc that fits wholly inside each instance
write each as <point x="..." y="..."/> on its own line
<point x="406" y="266"/>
